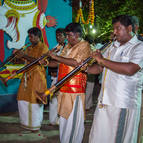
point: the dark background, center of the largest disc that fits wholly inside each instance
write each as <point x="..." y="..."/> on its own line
<point x="105" y="10"/>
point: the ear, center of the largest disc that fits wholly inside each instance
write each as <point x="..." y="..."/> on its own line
<point x="136" y="28"/>
<point x="130" y="28"/>
<point x="76" y="34"/>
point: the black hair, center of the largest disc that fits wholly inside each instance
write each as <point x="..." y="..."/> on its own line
<point x="52" y="69"/>
<point x="75" y="28"/>
<point x="36" y="32"/>
<point x="61" y="30"/>
<point x="123" y="19"/>
<point x="89" y="39"/>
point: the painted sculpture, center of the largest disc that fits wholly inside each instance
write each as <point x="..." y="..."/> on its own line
<point x="17" y="16"/>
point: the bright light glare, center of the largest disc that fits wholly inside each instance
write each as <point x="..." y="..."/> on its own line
<point x="90" y="26"/>
<point x="93" y="31"/>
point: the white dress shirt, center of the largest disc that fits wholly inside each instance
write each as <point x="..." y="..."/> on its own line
<point x="120" y="90"/>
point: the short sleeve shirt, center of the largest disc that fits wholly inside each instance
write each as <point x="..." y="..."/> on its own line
<point x="122" y="90"/>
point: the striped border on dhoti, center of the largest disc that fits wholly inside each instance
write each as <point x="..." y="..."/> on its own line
<point x="74" y="119"/>
<point x="121" y="126"/>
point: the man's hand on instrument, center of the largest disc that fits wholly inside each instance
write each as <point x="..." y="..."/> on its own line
<point x="83" y="68"/>
<point x="14" y="51"/>
<point x="44" y="62"/>
<point x="19" y="54"/>
<point x="52" y="54"/>
<point x="97" y="56"/>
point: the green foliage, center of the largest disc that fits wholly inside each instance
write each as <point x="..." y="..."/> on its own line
<point x="105" y="10"/>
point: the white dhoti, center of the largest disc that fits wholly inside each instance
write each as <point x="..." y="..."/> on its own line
<point x="140" y="130"/>
<point x="31" y="115"/>
<point x="53" y="115"/>
<point x="114" y="125"/>
<point x="72" y="129"/>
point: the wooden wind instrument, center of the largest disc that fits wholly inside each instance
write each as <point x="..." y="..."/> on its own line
<point x="10" y="58"/>
<point x="4" y="81"/>
<point x="24" y="68"/>
<point x="49" y="92"/>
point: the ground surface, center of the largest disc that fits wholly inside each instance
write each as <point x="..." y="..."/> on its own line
<point x="10" y="130"/>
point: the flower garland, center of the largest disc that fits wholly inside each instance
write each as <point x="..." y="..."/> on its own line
<point x="91" y="15"/>
<point x="21" y="5"/>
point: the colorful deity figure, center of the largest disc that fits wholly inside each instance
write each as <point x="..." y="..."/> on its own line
<point x="17" y="16"/>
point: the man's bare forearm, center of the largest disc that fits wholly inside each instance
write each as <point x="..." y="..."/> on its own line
<point x="67" y="61"/>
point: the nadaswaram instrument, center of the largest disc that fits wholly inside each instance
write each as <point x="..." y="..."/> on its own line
<point x="49" y="92"/>
<point x="24" y="68"/>
<point x="28" y="66"/>
<point x="10" y="58"/>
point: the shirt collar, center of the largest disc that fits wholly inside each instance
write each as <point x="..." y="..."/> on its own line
<point x="132" y="41"/>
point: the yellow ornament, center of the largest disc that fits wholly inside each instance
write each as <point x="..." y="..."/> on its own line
<point x="90" y="17"/>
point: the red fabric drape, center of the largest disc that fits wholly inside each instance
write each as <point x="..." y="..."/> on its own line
<point x="2" y="54"/>
<point x="42" y="5"/>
